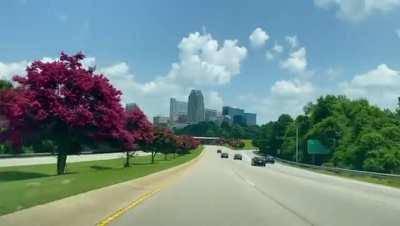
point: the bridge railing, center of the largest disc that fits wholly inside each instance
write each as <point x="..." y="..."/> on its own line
<point x="341" y="170"/>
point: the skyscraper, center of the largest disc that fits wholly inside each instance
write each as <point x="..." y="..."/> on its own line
<point x="160" y="121"/>
<point x="231" y="112"/>
<point x="196" y="107"/>
<point x="131" y="106"/>
<point x="251" y="119"/>
<point x="177" y="109"/>
<point x="238" y="116"/>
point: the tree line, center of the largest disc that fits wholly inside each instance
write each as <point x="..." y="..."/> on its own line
<point x="64" y="107"/>
<point x="359" y="135"/>
<point x="225" y="130"/>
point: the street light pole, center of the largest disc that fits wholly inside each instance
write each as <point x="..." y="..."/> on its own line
<point x="297" y="143"/>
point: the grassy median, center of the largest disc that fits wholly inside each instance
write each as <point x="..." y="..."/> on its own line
<point x="392" y="182"/>
<point x="25" y="186"/>
<point x="248" y="145"/>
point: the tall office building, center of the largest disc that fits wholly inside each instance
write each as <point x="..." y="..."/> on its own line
<point x="238" y="116"/>
<point x="251" y="119"/>
<point x="160" y="121"/>
<point x="177" y="109"/>
<point x="131" y="106"/>
<point x="231" y="112"/>
<point x="196" y="107"/>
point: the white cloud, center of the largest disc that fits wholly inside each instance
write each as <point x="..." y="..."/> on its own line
<point x="292" y="88"/>
<point x="285" y="97"/>
<point x="269" y="56"/>
<point x="213" y="100"/>
<point x="333" y="73"/>
<point x="277" y="48"/>
<point x="357" y="10"/>
<point x="292" y="41"/>
<point x="8" y="70"/>
<point x="381" y="86"/>
<point x="297" y="61"/>
<point x="258" y="37"/>
<point x="204" y="61"/>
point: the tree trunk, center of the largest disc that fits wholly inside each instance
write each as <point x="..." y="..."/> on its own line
<point x="153" y="154"/>
<point x="61" y="163"/>
<point x="127" y="159"/>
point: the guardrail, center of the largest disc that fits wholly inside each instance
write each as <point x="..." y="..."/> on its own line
<point x="341" y="170"/>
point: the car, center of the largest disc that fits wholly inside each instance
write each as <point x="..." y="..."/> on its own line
<point x="237" y="157"/>
<point x="219" y="151"/>
<point x="269" y="159"/>
<point x="258" y="161"/>
<point x="224" y="155"/>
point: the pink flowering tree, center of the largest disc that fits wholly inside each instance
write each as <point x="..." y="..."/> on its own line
<point x="64" y="102"/>
<point x="164" y="141"/>
<point x="187" y="143"/>
<point x="137" y="124"/>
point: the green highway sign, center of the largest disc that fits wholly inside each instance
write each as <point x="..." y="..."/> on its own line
<point x="316" y="147"/>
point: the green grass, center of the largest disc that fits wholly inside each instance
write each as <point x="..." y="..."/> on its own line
<point x="392" y="182"/>
<point x="25" y="186"/>
<point x="248" y="145"/>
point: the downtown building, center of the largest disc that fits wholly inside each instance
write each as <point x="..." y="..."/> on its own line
<point x="161" y="121"/>
<point x="238" y="116"/>
<point x="178" y="111"/>
<point x="131" y="106"/>
<point x="196" y="111"/>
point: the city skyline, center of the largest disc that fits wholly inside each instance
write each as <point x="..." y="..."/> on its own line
<point x="179" y="113"/>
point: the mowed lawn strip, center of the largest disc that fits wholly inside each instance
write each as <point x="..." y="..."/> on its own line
<point x="392" y="182"/>
<point x="25" y="186"/>
<point x="248" y="145"/>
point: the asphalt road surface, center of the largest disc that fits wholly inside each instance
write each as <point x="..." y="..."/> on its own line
<point x="219" y="192"/>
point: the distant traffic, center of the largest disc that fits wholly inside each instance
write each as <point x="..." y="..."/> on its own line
<point x="255" y="161"/>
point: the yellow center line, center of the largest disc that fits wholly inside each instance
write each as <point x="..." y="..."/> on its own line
<point x="119" y="212"/>
<point x="106" y="221"/>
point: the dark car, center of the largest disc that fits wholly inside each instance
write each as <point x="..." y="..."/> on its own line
<point x="237" y="157"/>
<point x="258" y="161"/>
<point x="269" y="159"/>
<point x="224" y="155"/>
<point x="219" y="151"/>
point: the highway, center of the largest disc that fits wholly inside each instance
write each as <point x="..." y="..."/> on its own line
<point x="227" y="192"/>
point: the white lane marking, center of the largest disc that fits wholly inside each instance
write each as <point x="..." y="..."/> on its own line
<point x="246" y="157"/>
<point x="250" y="183"/>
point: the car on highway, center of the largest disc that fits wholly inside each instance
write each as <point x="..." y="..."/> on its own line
<point x="237" y="156"/>
<point x="269" y="159"/>
<point x="219" y="151"/>
<point x="258" y="161"/>
<point x="224" y="155"/>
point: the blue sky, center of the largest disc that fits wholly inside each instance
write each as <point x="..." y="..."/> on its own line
<point x="153" y="50"/>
